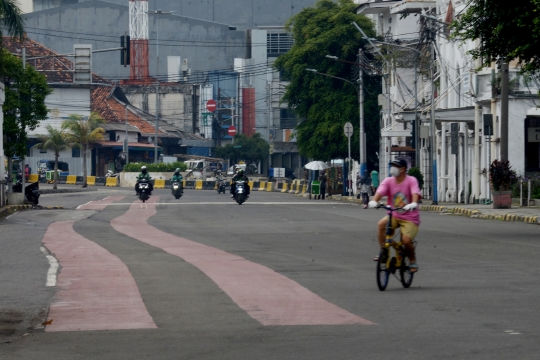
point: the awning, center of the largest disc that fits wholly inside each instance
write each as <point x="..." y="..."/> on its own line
<point x="207" y="143"/>
<point x="133" y="146"/>
<point x="464" y="114"/>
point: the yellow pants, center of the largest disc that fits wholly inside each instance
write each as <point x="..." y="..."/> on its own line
<point x="408" y="228"/>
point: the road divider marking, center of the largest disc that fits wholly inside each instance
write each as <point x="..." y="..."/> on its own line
<point x="224" y="203"/>
<point x="267" y="296"/>
<point x="100" y="204"/>
<point x="96" y="289"/>
<point x="53" y="269"/>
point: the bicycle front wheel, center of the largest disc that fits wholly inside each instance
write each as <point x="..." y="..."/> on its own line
<point x="405" y="273"/>
<point x="383" y="273"/>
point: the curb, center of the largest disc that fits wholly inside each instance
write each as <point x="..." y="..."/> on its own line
<point x="472" y="213"/>
<point x="10" y="209"/>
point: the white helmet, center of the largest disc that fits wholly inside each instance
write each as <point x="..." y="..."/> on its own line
<point x="143" y="167"/>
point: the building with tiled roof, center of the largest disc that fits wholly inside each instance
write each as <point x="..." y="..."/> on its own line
<point x="106" y="99"/>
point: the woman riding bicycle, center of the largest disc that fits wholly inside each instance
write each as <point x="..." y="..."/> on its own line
<point x="402" y="192"/>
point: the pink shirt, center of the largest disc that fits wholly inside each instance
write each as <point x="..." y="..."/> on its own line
<point x="400" y="195"/>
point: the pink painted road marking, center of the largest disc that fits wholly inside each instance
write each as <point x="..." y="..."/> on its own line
<point x="97" y="291"/>
<point x="268" y="297"/>
<point x="101" y="204"/>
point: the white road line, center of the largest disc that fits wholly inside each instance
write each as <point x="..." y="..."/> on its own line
<point x="53" y="269"/>
<point x="78" y="207"/>
<point x="233" y="203"/>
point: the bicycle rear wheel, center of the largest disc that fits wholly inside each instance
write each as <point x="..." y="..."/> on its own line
<point x="405" y="273"/>
<point x="382" y="272"/>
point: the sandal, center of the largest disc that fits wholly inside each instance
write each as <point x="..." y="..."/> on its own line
<point x="413" y="267"/>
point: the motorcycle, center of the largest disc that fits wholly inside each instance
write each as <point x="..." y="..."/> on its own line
<point x="177" y="190"/>
<point x="222" y="185"/>
<point x="144" y="190"/>
<point x="240" y="195"/>
<point x="31" y="191"/>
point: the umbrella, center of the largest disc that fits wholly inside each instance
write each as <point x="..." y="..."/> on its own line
<point x="316" y="165"/>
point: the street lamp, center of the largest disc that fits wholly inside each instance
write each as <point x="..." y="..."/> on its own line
<point x="157" y="12"/>
<point x="416" y="122"/>
<point x="361" y="135"/>
<point x="361" y="108"/>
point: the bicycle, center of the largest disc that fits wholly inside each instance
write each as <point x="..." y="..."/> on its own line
<point x="387" y="264"/>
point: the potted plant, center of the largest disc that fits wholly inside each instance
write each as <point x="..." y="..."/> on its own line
<point x="501" y="178"/>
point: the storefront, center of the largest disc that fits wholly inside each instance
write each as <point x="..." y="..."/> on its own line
<point x="109" y="155"/>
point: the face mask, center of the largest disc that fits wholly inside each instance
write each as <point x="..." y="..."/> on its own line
<point x="394" y="171"/>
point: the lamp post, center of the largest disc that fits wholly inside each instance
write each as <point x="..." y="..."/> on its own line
<point x="157" y="12"/>
<point x="416" y="122"/>
<point x="361" y="135"/>
<point x="360" y="105"/>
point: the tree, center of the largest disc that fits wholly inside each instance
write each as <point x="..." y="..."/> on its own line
<point x="326" y="104"/>
<point x="55" y="140"/>
<point x="24" y="106"/>
<point x="84" y="133"/>
<point x="251" y="149"/>
<point x="11" y="19"/>
<point x="506" y="30"/>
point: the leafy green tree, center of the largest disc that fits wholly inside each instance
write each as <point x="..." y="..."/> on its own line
<point x="506" y="29"/>
<point x="326" y="104"/>
<point x="11" y="19"/>
<point x="250" y="149"/>
<point x="84" y="133"/>
<point x="55" y="140"/>
<point x="24" y="106"/>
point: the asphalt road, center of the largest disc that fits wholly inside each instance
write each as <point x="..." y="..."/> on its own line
<point x="475" y="296"/>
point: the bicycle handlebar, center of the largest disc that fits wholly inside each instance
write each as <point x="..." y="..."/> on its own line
<point x="388" y="207"/>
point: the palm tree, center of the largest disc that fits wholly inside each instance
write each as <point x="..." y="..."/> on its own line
<point x="11" y="19"/>
<point x="56" y="141"/>
<point x="84" y="134"/>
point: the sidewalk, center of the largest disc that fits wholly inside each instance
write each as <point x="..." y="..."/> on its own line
<point x="523" y="214"/>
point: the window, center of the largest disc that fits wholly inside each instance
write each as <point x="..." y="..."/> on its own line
<point x="75" y="152"/>
<point x="278" y="43"/>
<point x="287" y="119"/>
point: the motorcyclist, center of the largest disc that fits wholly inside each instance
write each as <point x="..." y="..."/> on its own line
<point x="144" y="175"/>
<point x="239" y="176"/>
<point x="177" y="177"/>
<point x="219" y="176"/>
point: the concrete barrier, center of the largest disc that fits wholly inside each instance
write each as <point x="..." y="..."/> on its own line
<point x="256" y="185"/>
<point x="71" y="180"/>
<point x="189" y="184"/>
<point x="62" y="179"/>
<point x="263" y="186"/>
<point x="111" y="181"/>
<point x="100" y="181"/>
<point x="159" y="184"/>
<point x="284" y="187"/>
<point x="198" y="184"/>
<point x="80" y="180"/>
<point x="91" y="180"/>
<point x="269" y="186"/>
<point x="209" y="185"/>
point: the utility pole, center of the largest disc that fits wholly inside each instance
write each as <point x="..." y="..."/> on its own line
<point x="23" y="177"/>
<point x="127" y="136"/>
<point x="2" y="169"/>
<point x="362" y="137"/>
<point x="432" y="152"/>
<point x="504" y="111"/>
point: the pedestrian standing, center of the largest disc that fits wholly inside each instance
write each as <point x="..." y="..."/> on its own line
<point x="323" y="179"/>
<point x="365" y="188"/>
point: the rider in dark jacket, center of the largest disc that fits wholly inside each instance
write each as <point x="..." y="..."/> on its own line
<point x="144" y="175"/>
<point x="239" y="176"/>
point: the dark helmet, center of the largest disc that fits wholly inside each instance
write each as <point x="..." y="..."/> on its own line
<point x="240" y="172"/>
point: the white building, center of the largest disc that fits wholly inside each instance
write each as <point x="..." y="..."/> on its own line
<point x="462" y="96"/>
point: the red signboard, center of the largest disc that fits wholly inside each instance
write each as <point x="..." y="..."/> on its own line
<point x="211" y="105"/>
<point x="231" y="131"/>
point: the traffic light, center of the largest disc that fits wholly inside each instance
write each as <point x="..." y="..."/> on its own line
<point x="124" y="53"/>
<point x="413" y="134"/>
